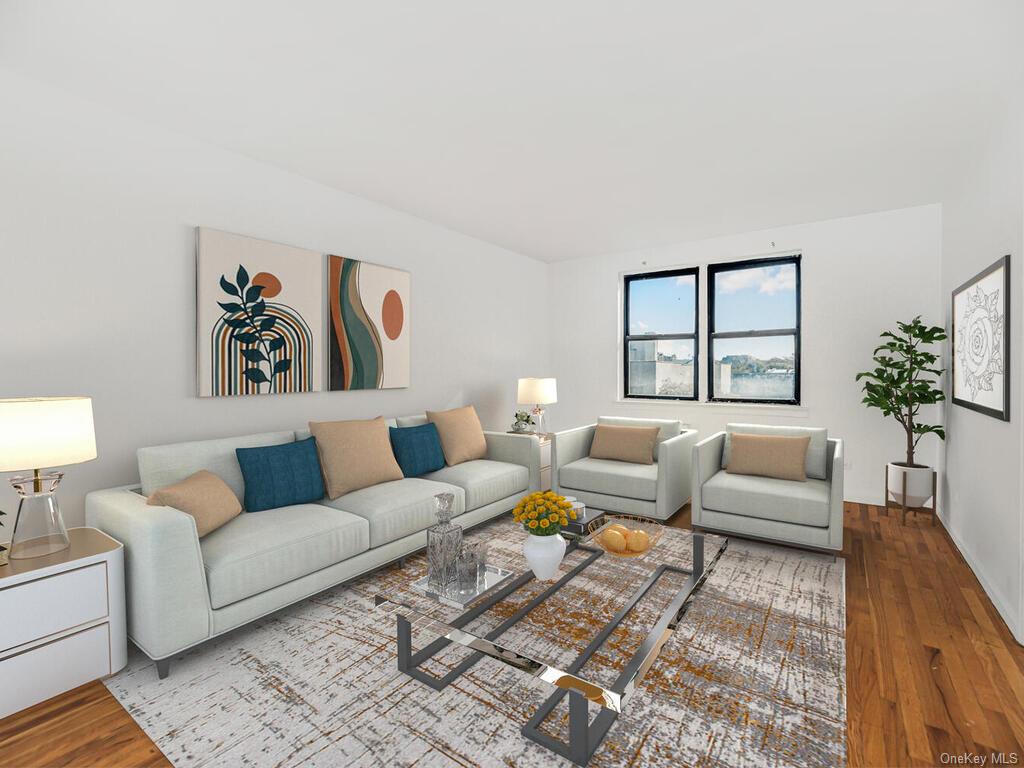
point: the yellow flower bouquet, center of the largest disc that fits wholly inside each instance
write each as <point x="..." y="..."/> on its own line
<point x="543" y="513"/>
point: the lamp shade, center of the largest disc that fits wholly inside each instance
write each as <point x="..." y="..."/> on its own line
<point x="41" y="432"/>
<point x="537" y="391"/>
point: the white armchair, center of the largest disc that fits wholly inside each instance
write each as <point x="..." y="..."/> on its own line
<point x="806" y="514"/>
<point x="655" y="490"/>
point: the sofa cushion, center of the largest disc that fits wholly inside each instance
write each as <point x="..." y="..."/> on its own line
<point x="784" y="501"/>
<point x="667" y="428"/>
<point x="399" y="507"/>
<point x="417" y="449"/>
<point x="254" y="553"/>
<point x="615" y="478"/>
<point x="354" y="454"/>
<point x="281" y="475"/>
<point x="163" y="465"/>
<point x="620" y="443"/>
<point x="411" y="421"/>
<point x="778" y="456"/>
<point x="462" y="437"/>
<point x="817" y="451"/>
<point x="202" y="495"/>
<point x="485" y="481"/>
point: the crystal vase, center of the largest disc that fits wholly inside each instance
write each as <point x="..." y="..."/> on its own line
<point x="38" y="528"/>
<point x="443" y="543"/>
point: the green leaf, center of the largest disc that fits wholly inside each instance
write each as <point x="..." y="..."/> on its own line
<point x="276" y="343"/>
<point x="282" y="365"/>
<point x="258" y="308"/>
<point x="228" y="287"/>
<point x="267" y="323"/>
<point x="242" y="277"/>
<point x="236" y="322"/>
<point x="253" y="355"/>
<point x="230" y="306"/>
<point x="256" y="375"/>
<point x="252" y="293"/>
<point x="246" y="338"/>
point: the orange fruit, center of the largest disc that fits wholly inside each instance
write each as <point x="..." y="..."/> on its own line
<point x="618" y="527"/>
<point x="638" y="541"/>
<point x="614" y="541"/>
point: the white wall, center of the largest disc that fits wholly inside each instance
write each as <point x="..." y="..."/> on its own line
<point x="982" y="221"/>
<point x="98" y="289"/>
<point x="859" y="276"/>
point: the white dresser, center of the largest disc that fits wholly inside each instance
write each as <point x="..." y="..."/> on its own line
<point x="62" y="620"/>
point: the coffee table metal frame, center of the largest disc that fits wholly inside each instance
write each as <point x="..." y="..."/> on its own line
<point x="585" y="736"/>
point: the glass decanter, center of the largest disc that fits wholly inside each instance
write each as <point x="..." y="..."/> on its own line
<point x="444" y="540"/>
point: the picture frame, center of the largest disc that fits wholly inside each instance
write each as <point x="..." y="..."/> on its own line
<point x="980" y="337"/>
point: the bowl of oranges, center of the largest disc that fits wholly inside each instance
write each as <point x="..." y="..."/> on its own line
<point x="624" y="536"/>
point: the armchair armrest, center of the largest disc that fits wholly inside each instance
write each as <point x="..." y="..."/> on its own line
<point x="836" y="471"/>
<point x="707" y="460"/>
<point x="165" y="585"/>
<point x="516" y="449"/>
<point x="569" y="446"/>
<point x="674" y="472"/>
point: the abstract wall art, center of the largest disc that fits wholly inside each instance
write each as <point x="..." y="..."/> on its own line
<point x="259" y="316"/>
<point x="368" y="328"/>
<point x="981" y="342"/>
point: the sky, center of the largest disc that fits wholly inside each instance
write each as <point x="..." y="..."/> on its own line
<point x="749" y="299"/>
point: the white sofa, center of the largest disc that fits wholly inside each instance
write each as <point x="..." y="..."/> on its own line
<point x="655" y="490"/>
<point x="806" y="514"/>
<point x="183" y="590"/>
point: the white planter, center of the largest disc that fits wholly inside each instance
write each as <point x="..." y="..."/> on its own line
<point x="544" y="553"/>
<point x="919" y="484"/>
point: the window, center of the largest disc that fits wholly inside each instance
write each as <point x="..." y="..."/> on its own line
<point x="660" y="335"/>
<point x="754" y="331"/>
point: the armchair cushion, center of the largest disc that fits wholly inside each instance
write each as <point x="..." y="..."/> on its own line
<point x="667" y="428"/>
<point x="775" y="456"/>
<point x="632" y="444"/>
<point x="817" y="451"/>
<point x="615" y="478"/>
<point x="785" y="501"/>
<point x="484" y="481"/>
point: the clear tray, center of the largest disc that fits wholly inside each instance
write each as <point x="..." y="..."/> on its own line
<point x="488" y="580"/>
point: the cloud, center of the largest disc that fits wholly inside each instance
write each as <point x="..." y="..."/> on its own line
<point x="641" y="325"/>
<point x="684" y="280"/>
<point x="770" y="280"/>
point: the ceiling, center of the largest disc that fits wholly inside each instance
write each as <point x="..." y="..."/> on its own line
<point x="562" y="128"/>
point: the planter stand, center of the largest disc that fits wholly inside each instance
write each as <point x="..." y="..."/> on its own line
<point x="903" y="506"/>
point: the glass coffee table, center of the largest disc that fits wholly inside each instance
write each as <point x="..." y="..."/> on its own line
<point x="592" y="633"/>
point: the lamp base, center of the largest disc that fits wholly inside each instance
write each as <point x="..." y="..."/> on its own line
<point x="538" y="419"/>
<point x="39" y="528"/>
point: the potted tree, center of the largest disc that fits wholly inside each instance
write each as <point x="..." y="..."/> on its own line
<point x="905" y="378"/>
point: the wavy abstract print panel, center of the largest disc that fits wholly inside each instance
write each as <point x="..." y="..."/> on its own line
<point x="369" y="327"/>
<point x="259" y="316"/>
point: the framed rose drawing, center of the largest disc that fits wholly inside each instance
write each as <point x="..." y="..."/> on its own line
<point x="981" y="342"/>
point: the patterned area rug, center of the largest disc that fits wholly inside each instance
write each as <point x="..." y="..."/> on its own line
<point x="755" y="675"/>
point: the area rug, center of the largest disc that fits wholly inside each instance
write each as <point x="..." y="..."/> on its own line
<point x="755" y="675"/>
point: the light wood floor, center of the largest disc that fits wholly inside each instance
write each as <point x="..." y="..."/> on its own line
<point x="931" y="667"/>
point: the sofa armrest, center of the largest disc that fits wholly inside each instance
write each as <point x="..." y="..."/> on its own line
<point x="674" y="472"/>
<point x="707" y="460"/>
<point x="569" y="446"/>
<point x="516" y="449"/>
<point x="165" y="584"/>
<point x="836" y="472"/>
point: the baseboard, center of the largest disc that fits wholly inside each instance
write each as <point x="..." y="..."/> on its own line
<point x="1008" y="614"/>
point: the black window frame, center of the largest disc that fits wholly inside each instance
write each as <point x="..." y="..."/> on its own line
<point x="628" y="280"/>
<point x="731" y="266"/>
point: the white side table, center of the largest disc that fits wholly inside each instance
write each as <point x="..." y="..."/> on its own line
<point x="545" y="461"/>
<point x="62" y="620"/>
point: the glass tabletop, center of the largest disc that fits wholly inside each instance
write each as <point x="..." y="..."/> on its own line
<point x="594" y="629"/>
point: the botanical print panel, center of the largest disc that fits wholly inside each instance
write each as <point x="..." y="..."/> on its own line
<point x="259" y="316"/>
<point x="369" y="325"/>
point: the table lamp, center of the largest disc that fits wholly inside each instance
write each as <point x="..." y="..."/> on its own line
<point x="36" y="433"/>
<point x="539" y="392"/>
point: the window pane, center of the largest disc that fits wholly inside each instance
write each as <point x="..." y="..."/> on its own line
<point x="662" y="305"/>
<point x="755" y="299"/>
<point x="661" y="367"/>
<point x="759" y="368"/>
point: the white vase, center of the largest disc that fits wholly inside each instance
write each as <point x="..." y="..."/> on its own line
<point x="544" y="553"/>
<point x="919" y="483"/>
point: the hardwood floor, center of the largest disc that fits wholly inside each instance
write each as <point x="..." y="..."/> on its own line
<point x="931" y="668"/>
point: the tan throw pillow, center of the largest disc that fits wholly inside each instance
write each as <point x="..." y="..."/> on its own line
<point x="632" y="444"/>
<point x="775" y="456"/>
<point x="354" y="454"/>
<point x="462" y="437"/>
<point x="204" y="496"/>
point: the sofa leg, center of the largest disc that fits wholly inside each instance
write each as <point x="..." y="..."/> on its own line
<point x="163" y="668"/>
